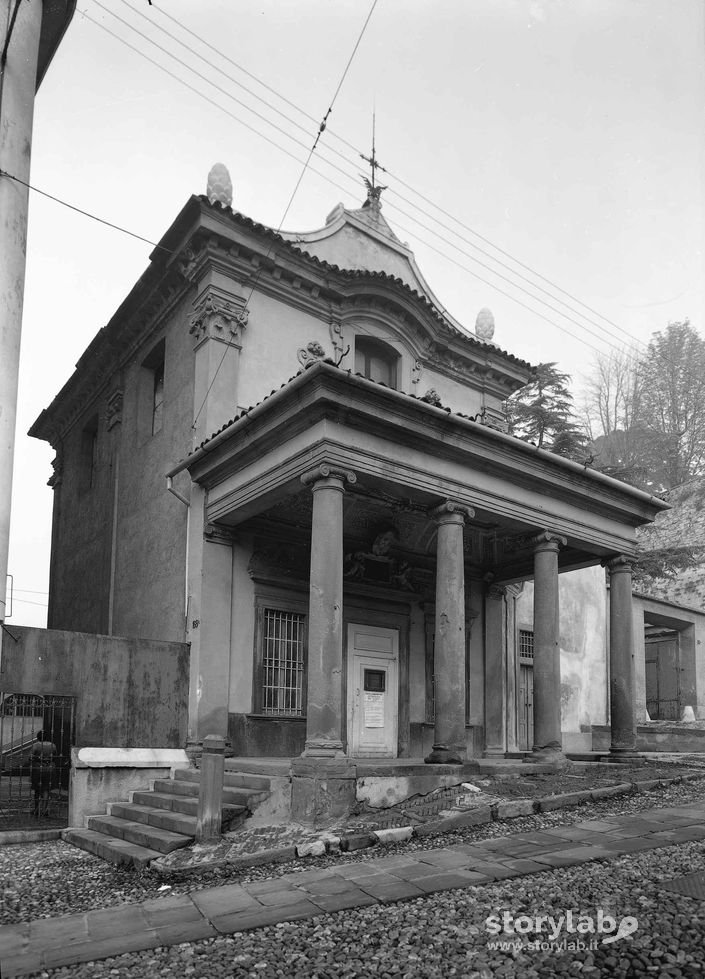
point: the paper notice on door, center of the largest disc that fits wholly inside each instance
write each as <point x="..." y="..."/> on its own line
<point x="374" y="709"/>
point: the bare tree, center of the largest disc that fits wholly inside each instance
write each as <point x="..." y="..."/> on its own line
<point x="646" y="412"/>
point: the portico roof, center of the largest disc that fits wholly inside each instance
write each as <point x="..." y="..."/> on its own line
<point x="400" y="447"/>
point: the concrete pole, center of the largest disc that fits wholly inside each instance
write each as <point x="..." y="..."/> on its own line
<point x="622" y="699"/>
<point x="449" y="747"/>
<point x="17" y="88"/>
<point x="324" y="708"/>
<point x="547" y="654"/>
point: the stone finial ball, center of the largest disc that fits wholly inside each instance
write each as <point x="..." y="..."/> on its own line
<point x="220" y="186"/>
<point x="484" y="324"/>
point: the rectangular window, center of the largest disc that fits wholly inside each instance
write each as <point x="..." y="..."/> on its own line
<point x="283" y="644"/>
<point x="158" y="399"/>
<point x="526" y="644"/>
<point x="151" y="392"/>
<point x="89" y="454"/>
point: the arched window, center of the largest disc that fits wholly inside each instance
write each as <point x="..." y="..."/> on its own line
<point x="376" y="360"/>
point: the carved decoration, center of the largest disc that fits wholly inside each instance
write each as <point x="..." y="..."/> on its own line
<point x="548" y="541"/>
<point x="57" y="465"/>
<point x="416" y="372"/>
<point x="432" y="397"/>
<point x="325" y="471"/>
<point x="218" y="534"/>
<point x="312" y="353"/>
<point x="619" y="563"/>
<point x="378" y="565"/>
<point x="113" y="411"/>
<point x="219" y="318"/>
<point x="450" y="507"/>
<point x="337" y="338"/>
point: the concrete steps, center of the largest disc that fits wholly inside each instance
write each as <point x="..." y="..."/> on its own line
<point x="163" y="819"/>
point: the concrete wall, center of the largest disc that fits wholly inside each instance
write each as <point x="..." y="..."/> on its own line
<point x="129" y="693"/>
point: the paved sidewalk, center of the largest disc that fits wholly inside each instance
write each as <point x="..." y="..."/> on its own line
<point x="51" y="942"/>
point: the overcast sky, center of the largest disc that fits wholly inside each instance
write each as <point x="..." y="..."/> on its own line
<point x="569" y="133"/>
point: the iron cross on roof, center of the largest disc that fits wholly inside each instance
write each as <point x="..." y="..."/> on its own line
<point x="373" y="189"/>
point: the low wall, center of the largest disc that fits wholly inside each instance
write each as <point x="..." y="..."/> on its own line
<point x="100" y="776"/>
<point x="129" y="692"/>
<point x="657" y="736"/>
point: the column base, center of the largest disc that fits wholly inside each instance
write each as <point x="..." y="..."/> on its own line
<point x="625" y="756"/>
<point x="323" y="749"/>
<point x="322" y="790"/>
<point x="442" y="755"/>
<point x="547" y="756"/>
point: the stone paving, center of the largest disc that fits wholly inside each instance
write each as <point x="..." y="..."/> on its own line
<point x="52" y="942"/>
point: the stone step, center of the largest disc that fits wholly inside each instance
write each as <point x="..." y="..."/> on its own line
<point x="187" y="804"/>
<point x="151" y="837"/>
<point x="236" y="780"/>
<point x="190" y="787"/>
<point x="177" y="822"/>
<point x="113" y="849"/>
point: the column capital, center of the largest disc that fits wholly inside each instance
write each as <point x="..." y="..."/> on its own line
<point x="326" y="471"/>
<point x="452" y="512"/>
<point x="548" y="541"/>
<point x="618" y="563"/>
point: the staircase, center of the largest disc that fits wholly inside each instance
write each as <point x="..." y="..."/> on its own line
<point x="163" y="818"/>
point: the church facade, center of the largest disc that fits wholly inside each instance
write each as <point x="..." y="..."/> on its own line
<point x="283" y="450"/>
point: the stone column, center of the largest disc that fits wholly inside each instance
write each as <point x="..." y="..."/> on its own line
<point x="209" y="625"/>
<point x="622" y="699"/>
<point x="449" y="747"/>
<point x="547" y="654"/>
<point x="324" y="708"/>
<point x="495" y="660"/>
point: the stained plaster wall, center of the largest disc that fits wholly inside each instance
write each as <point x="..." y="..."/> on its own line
<point x="119" y="546"/>
<point x="271" y="342"/>
<point x="583" y="638"/>
<point x="129" y="692"/>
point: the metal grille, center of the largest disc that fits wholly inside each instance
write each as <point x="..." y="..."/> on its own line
<point x="283" y="662"/>
<point x="526" y="643"/>
<point x="22" y="717"/>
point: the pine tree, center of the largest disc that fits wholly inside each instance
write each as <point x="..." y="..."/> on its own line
<point x="542" y="413"/>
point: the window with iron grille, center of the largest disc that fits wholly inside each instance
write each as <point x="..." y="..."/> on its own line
<point x="283" y="644"/>
<point x="526" y="643"/>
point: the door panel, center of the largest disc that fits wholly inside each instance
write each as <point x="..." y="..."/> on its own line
<point x="373" y="691"/>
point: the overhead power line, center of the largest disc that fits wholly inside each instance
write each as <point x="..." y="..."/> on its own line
<point x="535" y="285"/>
<point x="391" y="173"/>
<point x="321" y="130"/>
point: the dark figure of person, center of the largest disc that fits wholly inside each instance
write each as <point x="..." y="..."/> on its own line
<point x="42" y="769"/>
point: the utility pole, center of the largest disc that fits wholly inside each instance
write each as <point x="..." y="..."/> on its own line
<point x="30" y="32"/>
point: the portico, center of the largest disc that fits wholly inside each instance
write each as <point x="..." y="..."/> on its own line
<point x="331" y="455"/>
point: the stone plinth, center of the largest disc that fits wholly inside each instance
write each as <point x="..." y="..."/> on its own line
<point x="322" y="789"/>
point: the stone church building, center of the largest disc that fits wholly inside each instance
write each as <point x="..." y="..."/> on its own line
<point x="284" y="451"/>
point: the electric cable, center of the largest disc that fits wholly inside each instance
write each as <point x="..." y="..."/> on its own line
<point x="408" y="186"/>
<point x="321" y="129"/>
<point x="386" y="170"/>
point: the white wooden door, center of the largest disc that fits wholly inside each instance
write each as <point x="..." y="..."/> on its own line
<point x="373" y="691"/>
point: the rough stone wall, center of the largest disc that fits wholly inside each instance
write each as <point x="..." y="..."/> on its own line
<point x="684" y="525"/>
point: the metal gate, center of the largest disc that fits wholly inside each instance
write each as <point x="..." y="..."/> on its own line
<point x="24" y="719"/>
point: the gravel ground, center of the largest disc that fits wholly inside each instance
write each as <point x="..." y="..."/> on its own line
<point x="48" y="879"/>
<point x="439" y="935"/>
<point x="445" y="935"/>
